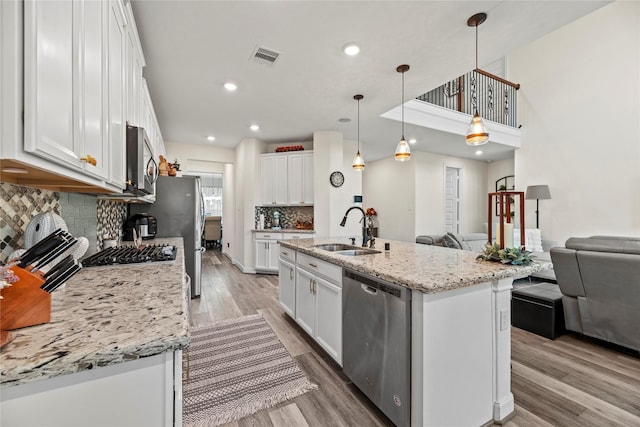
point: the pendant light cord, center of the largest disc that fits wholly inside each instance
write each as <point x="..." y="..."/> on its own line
<point x="358" y="126"/>
<point x="403" y="105"/>
<point x="476" y="47"/>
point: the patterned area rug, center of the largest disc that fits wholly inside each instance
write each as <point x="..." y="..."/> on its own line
<point x="236" y="368"/>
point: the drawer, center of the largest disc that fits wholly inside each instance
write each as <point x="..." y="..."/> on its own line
<point x="265" y="235"/>
<point x="286" y="236"/>
<point x="321" y="268"/>
<point x="288" y="254"/>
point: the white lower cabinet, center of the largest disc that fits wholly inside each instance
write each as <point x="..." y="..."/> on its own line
<point x="141" y="392"/>
<point x="267" y="252"/>
<point x="318" y="301"/>
<point x="287" y="287"/>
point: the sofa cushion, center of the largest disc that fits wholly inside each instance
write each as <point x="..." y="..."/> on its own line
<point x="451" y="242"/>
<point x="604" y="244"/>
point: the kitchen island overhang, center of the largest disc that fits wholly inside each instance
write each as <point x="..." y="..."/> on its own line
<point x="461" y="320"/>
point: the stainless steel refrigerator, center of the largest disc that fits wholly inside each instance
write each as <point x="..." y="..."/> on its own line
<point x="179" y="211"/>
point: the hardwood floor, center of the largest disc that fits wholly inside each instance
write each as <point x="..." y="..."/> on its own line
<point x="571" y="381"/>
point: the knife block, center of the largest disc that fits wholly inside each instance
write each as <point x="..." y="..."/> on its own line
<point x="24" y="303"/>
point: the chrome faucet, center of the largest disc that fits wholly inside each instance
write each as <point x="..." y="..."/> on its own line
<point x="365" y="229"/>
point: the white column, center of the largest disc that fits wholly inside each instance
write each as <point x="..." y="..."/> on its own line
<point x="503" y="404"/>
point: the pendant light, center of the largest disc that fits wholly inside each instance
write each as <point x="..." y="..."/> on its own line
<point x="477" y="133"/>
<point x="403" y="152"/>
<point x="358" y="161"/>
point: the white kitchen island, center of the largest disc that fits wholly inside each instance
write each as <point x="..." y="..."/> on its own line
<point x="460" y="325"/>
<point x="111" y="354"/>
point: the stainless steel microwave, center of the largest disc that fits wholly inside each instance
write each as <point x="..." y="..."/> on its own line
<point x="142" y="169"/>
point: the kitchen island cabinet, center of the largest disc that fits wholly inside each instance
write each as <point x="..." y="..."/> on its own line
<point x="460" y="325"/>
<point x="111" y="354"/>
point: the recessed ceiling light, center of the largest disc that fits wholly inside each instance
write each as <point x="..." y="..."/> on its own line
<point x="255" y="127"/>
<point x="15" y="170"/>
<point x="478" y="152"/>
<point x="344" y="120"/>
<point x="351" y="49"/>
<point x="412" y="141"/>
<point x="211" y="138"/>
<point x="230" y="86"/>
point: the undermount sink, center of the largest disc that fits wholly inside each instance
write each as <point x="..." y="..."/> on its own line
<point x="333" y="247"/>
<point x="356" y="252"/>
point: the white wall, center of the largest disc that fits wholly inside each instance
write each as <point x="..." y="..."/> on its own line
<point x="409" y="196"/>
<point x="430" y="183"/>
<point x="332" y="153"/>
<point x="579" y="106"/>
<point x="247" y="178"/>
<point x="497" y="170"/>
<point x="228" y="212"/>
<point x="197" y="157"/>
<point x="388" y="186"/>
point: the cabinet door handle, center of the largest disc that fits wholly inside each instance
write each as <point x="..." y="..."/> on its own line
<point x="310" y="285"/>
<point x="267" y="236"/>
<point x="314" y="286"/>
<point x="313" y="265"/>
<point x="89" y="159"/>
<point x="291" y="273"/>
<point x="285" y="253"/>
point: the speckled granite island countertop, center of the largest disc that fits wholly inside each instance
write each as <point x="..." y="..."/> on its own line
<point x="283" y="230"/>
<point x="425" y="268"/>
<point x="103" y="316"/>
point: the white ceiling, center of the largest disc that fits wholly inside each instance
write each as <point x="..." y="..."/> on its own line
<point x="193" y="47"/>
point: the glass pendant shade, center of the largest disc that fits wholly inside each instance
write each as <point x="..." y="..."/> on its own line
<point x="403" y="152"/>
<point x="477" y="133"/>
<point x="358" y="162"/>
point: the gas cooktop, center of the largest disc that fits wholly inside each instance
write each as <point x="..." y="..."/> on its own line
<point x="129" y="254"/>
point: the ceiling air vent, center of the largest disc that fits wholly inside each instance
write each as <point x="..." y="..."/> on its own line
<point x="265" y="56"/>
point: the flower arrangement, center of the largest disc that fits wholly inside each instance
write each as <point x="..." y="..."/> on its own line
<point x="513" y="256"/>
<point x="370" y="213"/>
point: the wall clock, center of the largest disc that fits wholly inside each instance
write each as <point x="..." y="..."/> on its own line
<point x="336" y="179"/>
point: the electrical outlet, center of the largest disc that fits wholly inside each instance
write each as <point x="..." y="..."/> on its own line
<point x="504" y="320"/>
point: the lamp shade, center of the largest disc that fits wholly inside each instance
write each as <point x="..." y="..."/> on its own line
<point x="538" y="192"/>
<point x="477" y="133"/>
<point x="358" y="162"/>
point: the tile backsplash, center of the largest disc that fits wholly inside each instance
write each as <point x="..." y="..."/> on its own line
<point x="289" y="215"/>
<point x="18" y="205"/>
<point x="84" y="214"/>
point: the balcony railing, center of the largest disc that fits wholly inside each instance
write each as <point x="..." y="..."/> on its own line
<point x="495" y="97"/>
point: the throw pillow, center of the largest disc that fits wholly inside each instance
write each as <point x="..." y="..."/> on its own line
<point x="451" y="242"/>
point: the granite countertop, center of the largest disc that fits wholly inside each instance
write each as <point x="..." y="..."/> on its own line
<point x="283" y="230"/>
<point x="425" y="268"/>
<point x="102" y="316"/>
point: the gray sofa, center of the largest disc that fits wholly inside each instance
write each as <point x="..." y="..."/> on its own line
<point x="599" y="278"/>
<point x="470" y="241"/>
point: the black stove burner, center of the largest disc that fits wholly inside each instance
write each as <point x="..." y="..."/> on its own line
<point x="131" y="254"/>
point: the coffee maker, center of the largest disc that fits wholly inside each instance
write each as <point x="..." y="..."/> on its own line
<point x="144" y="224"/>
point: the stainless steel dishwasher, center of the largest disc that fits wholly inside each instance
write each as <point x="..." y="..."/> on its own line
<point x="376" y="342"/>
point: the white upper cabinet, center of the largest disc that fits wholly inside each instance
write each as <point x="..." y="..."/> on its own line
<point x="50" y="81"/>
<point x="274" y="179"/>
<point x="287" y="179"/>
<point x="93" y="88"/>
<point x="300" y="178"/>
<point x="66" y="105"/>
<point x="116" y="91"/>
<point x="74" y="86"/>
